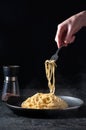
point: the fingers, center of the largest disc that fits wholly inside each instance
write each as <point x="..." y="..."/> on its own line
<point x="60" y="35"/>
<point x="64" y="35"/>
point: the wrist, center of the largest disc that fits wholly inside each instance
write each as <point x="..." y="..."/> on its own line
<point x="84" y="18"/>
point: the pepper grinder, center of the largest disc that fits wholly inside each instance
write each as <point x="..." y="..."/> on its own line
<point x="10" y="85"/>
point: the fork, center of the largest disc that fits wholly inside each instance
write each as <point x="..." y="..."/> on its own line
<point x="55" y="56"/>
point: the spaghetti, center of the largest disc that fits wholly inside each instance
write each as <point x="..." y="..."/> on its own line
<point x="50" y="74"/>
<point x="46" y="100"/>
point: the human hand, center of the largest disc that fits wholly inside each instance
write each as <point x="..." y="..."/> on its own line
<point x="67" y="29"/>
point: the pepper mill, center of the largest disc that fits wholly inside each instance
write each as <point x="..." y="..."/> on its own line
<point x="11" y="85"/>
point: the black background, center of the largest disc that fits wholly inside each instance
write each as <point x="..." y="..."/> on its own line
<point x="27" y="33"/>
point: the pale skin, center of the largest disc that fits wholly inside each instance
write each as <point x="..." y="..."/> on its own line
<point x="66" y="30"/>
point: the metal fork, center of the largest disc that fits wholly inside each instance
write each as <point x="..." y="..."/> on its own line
<point x="55" y="56"/>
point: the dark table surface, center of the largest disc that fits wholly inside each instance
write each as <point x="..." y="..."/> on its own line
<point x="75" y="87"/>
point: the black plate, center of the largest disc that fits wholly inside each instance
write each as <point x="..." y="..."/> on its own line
<point x="14" y="103"/>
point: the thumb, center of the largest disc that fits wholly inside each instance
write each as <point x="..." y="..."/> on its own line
<point x="69" y="36"/>
<point x="71" y="40"/>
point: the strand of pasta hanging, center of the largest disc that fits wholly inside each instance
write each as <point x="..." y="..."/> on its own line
<point x="50" y="74"/>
